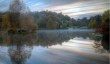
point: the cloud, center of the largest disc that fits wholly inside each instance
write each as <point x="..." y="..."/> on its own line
<point x="73" y="8"/>
<point x="79" y="8"/>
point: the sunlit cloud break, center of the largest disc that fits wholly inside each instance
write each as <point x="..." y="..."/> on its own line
<point x="73" y="8"/>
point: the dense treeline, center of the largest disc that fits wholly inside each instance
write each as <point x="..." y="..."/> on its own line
<point x="19" y="17"/>
<point x="52" y="20"/>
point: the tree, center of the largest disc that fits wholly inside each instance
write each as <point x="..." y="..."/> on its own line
<point x="105" y="17"/>
<point x="5" y="22"/>
<point x="98" y="19"/>
<point x="20" y="17"/>
<point x="51" y="24"/>
<point x="45" y="17"/>
<point x="92" y="23"/>
<point x="105" y="30"/>
<point x="104" y="26"/>
<point x="0" y="20"/>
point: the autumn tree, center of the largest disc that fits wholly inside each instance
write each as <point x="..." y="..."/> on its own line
<point x="5" y="22"/>
<point x="20" y="17"/>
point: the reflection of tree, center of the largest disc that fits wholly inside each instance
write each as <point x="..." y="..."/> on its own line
<point x="53" y="38"/>
<point x="19" y="55"/>
<point x="42" y="38"/>
<point x="98" y="47"/>
<point x="20" y="46"/>
<point x="104" y="29"/>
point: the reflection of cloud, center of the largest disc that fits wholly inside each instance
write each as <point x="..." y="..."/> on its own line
<point x="72" y="8"/>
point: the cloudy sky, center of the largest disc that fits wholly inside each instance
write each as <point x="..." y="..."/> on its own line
<point x="73" y="8"/>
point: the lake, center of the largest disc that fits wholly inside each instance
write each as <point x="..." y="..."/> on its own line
<point x="52" y="47"/>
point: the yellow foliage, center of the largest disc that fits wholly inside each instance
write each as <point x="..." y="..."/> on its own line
<point x="5" y="22"/>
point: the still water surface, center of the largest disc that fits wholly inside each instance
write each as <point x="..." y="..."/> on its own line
<point x="52" y="47"/>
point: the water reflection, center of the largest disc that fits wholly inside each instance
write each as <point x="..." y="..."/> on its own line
<point x="58" y="37"/>
<point x="20" y="47"/>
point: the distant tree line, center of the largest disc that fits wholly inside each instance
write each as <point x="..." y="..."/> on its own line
<point x="52" y="20"/>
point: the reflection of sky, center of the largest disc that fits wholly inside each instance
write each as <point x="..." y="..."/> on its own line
<point x="77" y="44"/>
<point x="74" y="51"/>
<point x="73" y="8"/>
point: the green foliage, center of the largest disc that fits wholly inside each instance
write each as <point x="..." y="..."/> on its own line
<point x="98" y="20"/>
<point x="51" y="24"/>
<point x="92" y="23"/>
<point x="105" y="17"/>
<point x="52" y="20"/>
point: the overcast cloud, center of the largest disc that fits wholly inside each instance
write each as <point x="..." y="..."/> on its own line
<point x="73" y="8"/>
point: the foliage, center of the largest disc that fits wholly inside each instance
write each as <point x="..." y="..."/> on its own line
<point x="18" y="18"/>
<point x="104" y="24"/>
<point x="92" y="23"/>
<point x="105" y="17"/>
<point x="5" y="22"/>
<point x="51" y="24"/>
<point x="52" y="20"/>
